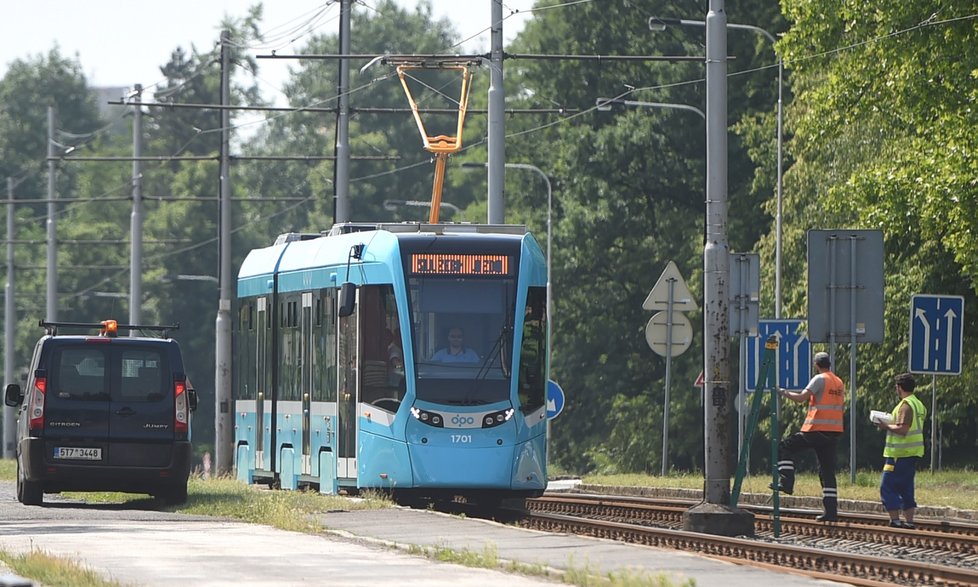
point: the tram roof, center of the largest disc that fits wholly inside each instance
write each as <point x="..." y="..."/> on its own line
<point x="293" y="250"/>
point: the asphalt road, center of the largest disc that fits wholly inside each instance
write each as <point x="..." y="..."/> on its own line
<point x="139" y="546"/>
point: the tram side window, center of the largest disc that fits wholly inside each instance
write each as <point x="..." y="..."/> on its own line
<point x="245" y="344"/>
<point x="324" y="351"/>
<point x="289" y="349"/>
<point x="533" y="353"/>
<point x="383" y="358"/>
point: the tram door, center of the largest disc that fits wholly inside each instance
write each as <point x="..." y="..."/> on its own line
<point x="305" y="380"/>
<point x="262" y="346"/>
<point x="348" y="343"/>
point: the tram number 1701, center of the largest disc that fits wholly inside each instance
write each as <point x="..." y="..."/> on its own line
<point x="461" y="438"/>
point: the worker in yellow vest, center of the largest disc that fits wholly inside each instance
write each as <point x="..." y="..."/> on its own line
<point x="823" y="426"/>
<point x="904" y="447"/>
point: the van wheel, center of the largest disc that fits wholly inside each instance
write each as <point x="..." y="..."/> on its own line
<point x="176" y="495"/>
<point x="28" y="492"/>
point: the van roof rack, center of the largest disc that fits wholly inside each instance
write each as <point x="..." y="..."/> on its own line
<point x="106" y="327"/>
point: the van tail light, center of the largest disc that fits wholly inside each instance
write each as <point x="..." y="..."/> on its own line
<point x="36" y="422"/>
<point x="181" y="411"/>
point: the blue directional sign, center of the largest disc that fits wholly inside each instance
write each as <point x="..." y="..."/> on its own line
<point x="936" y="330"/>
<point x="555" y="399"/>
<point x="794" y="364"/>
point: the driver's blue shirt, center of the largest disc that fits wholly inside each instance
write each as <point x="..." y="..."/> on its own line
<point x="466" y="356"/>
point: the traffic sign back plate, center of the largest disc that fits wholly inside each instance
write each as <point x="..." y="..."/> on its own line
<point x="658" y="298"/>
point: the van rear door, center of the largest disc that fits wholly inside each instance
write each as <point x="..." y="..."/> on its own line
<point x="76" y="416"/>
<point x="141" y="424"/>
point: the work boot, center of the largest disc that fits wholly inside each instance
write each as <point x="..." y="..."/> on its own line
<point x="831" y="514"/>
<point x="780" y="488"/>
<point x="786" y="473"/>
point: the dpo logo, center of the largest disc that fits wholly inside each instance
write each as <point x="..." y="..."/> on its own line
<point x="463" y="420"/>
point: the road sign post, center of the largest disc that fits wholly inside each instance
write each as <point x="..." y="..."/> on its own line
<point x="936" y="334"/>
<point x="936" y="345"/>
<point x="745" y="287"/>
<point x="555" y="399"/>
<point x="845" y="299"/>
<point x="793" y="367"/>
<point x="669" y="332"/>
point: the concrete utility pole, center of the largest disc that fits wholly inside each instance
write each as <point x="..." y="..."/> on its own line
<point x="223" y="433"/>
<point x="716" y="260"/>
<point x="52" y="272"/>
<point x="342" y="188"/>
<point x="497" y="126"/>
<point x="9" y="412"/>
<point x="136" y="220"/>
<point x="715" y="516"/>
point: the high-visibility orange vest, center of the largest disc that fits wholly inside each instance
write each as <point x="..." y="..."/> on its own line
<point x="826" y="413"/>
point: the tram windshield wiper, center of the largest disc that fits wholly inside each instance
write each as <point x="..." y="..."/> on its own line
<point x="497" y="352"/>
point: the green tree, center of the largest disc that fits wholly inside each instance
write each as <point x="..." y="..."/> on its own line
<point x="28" y="88"/>
<point x="629" y="197"/>
<point x="883" y="125"/>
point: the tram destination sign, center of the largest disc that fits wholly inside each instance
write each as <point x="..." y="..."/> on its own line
<point x="460" y="264"/>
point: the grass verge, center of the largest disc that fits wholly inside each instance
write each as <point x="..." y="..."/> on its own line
<point x="47" y="569"/>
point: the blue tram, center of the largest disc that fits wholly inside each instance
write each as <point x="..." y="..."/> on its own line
<point x="410" y="358"/>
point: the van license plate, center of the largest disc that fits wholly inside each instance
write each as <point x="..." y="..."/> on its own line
<point x="78" y="453"/>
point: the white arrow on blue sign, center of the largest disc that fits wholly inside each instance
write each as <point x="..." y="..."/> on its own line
<point x="555" y="399"/>
<point x="936" y="330"/>
<point x="794" y="364"/>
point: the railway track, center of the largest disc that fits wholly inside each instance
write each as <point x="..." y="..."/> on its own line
<point x="860" y="549"/>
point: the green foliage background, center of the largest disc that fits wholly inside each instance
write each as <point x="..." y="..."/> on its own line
<point x="879" y="133"/>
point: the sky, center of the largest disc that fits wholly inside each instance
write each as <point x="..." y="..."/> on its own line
<point x="120" y="44"/>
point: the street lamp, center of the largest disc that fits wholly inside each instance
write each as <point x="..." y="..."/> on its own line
<point x="391" y="205"/>
<point x="604" y="104"/>
<point x="657" y="23"/>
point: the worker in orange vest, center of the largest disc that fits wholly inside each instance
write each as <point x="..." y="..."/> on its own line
<point x="823" y="426"/>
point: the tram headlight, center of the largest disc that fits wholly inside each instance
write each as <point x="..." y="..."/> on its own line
<point x="429" y="418"/>
<point x="496" y="418"/>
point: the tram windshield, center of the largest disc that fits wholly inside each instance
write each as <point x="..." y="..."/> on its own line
<point x="462" y="337"/>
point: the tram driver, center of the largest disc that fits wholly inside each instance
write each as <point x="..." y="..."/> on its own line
<point x="456" y="351"/>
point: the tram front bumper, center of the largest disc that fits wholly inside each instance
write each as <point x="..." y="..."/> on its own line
<point x="500" y="467"/>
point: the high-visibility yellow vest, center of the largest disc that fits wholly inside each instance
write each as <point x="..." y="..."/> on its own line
<point x="826" y="413"/>
<point x="911" y="445"/>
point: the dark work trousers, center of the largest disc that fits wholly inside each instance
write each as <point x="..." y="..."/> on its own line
<point x="824" y="444"/>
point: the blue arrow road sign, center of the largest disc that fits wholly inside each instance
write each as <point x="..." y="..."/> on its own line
<point x="555" y="399"/>
<point x="794" y="364"/>
<point x="936" y="329"/>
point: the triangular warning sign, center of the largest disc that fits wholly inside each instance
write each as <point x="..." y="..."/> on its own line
<point x="670" y="281"/>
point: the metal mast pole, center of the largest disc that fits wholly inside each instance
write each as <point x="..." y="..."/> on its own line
<point x="716" y="262"/>
<point x="223" y="435"/>
<point x="52" y="272"/>
<point x="342" y="210"/>
<point x="9" y="414"/>
<point x="497" y="127"/>
<point x="136" y="220"/>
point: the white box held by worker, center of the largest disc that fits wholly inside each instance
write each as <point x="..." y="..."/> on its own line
<point x="877" y="417"/>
